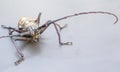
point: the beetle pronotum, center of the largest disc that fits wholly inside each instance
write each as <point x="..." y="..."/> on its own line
<point x="29" y="29"/>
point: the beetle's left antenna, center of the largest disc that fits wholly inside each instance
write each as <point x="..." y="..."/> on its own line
<point x="77" y="14"/>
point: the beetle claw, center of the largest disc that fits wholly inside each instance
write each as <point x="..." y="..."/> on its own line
<point x="19" y="61"/>
<point x="67" y="43"/>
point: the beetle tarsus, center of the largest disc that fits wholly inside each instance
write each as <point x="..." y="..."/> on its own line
<point x="3" y="26"/>
<point x="67" y="43"/>
<point x="19" y="61"/>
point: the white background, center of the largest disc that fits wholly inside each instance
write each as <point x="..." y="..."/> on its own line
<point x="96" y="40"/>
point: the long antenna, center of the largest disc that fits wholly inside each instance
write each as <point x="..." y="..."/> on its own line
<point x="81" y="13"/>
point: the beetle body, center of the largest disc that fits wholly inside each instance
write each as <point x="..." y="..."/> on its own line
<point x="29" y="29"/>
<point x="29" y="24"/>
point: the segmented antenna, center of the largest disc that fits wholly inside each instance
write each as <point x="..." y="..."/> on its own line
<point x="100" y="12"/>
<point x="82" y="13"/>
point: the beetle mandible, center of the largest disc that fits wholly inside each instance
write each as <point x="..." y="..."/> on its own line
<point x="29" y="29"/>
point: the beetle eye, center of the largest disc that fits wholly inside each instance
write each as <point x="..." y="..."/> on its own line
<point x="20" y="28"/>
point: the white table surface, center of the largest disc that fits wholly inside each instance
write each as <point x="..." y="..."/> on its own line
<point x="96" y="40"/>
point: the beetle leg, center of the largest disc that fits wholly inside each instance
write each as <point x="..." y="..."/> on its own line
<point x="59" y="37"/>
<point x="18" y="50"/>
<point x="44" y="28"/>
<point x="23" y="39"/>
<point x="20" y="59"/>
<point x="21" y="55"/>
<point x="11" y="28"/>
<point x="61" y="27"/>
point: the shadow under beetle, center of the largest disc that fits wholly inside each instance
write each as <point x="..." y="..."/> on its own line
<point x="29" y="29"/>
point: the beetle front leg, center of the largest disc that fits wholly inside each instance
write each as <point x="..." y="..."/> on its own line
<point x="61" y="27"/>
<point x="11" y="28"/>
<point x="21" y="55"/>
<point x="59" y="37"/>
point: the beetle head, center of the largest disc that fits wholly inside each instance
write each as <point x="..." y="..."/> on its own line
<point x="26" y="22"/>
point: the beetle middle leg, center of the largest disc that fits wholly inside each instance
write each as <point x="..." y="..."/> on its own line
<point x="46" y="26"/>
<point x="60" y="27"/>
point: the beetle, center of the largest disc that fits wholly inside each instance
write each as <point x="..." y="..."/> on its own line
<point x="29" y="29"/>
